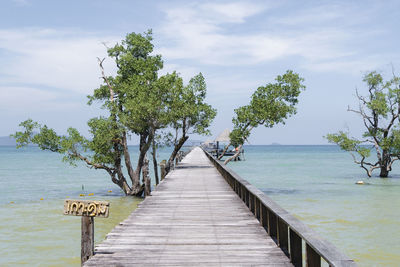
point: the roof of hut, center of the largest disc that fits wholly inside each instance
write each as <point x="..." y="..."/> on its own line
<point x="208" y="141"/>
<point x="223" y="137"/>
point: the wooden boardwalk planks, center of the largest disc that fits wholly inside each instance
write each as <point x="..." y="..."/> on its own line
<point x="192" y="218"/>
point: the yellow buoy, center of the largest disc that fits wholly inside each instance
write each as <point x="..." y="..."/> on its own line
<point x="360" y="182"/>
<point x="41" y="198"/>
<point x="109" y="191"/>
<point x="91" y="194"/>
<point x="81" y="195"/>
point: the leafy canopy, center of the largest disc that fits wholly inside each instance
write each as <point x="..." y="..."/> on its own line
<point x="269" y="105"/>
<point x="379" y="110"/>
<point x="188" y="107"/>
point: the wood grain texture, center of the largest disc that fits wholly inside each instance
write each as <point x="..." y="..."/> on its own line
<point x="275" y="213"/>
<point x="87" y="238"/>
<point x="193" y="218"/>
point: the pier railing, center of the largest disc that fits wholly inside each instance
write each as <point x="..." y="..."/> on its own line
<point x="288" y="232"/>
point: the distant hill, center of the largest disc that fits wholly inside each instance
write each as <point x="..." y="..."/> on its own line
<point x="7" y="141"/>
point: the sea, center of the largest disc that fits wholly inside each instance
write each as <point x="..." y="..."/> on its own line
<point x="317" y="184"/>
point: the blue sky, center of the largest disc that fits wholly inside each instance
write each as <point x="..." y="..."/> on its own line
<point x="48" y="53"/>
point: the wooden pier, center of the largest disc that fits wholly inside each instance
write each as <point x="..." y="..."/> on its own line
<point x="195" y="218"/>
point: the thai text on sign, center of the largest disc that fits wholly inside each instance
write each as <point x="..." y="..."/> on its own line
<point x="86" y="208"/>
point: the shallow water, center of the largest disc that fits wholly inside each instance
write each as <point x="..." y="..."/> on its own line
<point x="317" y="185"/>
<point x="35" y="232"/>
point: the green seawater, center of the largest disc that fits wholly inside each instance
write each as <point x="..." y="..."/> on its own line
<point x="317" y="185"/>
<point x="37" y="234"/>
<point x="34" y="232"/>
<point x="314" y="183"/>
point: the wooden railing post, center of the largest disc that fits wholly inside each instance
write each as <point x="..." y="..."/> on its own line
<point x="247" y="196"/>
<point x="313" y="258"/>
<point x="296" y="252"/>
<point x="283" y="236"/>
<point x="263" y="218"/>
<point x="162" y="169"/>
<point x="251" y="202"/>
<point x="272" y="225"/>
<point x="283" y="228"/>
<point x="257" y="208"/>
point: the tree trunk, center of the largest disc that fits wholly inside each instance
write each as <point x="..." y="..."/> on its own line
<point x="223" y="152"/>
<point x="385" y="164"/>
<point x="117" y="176"/>
<point x="384" y="172"/>
<point x="145" y="142"/>
<point x="127" y="158"/>
<point x="177" y="147"/>
<point x="234" y="156"/>
<point x="125" y="187"/>
<point x="154" y="154"/>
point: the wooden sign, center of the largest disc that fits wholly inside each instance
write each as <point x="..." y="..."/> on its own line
<point x="86" y="208"/>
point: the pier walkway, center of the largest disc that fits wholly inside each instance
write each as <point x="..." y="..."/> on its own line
<point x="192" y="218"/>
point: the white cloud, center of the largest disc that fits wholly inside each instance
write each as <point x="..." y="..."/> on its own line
<point x="59" y="59"/>
<point x="186" y="72"/>
<point x="315" y="15"/>
<point x="21" y="2"/>
<point x="19" y="98"/>
<point x="196" y="32"/>
<point x="316" y="36"/>
<point x="235" y="12"/>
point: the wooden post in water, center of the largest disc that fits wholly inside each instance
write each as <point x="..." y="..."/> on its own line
<point x="88" y="210"/>
<point x="162" y="169"/>
<point x="87" y="238"/>
<point x="146" y="178"/>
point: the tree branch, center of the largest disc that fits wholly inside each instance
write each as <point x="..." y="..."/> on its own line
<point x="105" y="79"/>
<point x="92" y="164"/>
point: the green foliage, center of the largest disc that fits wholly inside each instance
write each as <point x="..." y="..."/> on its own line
<point x="348" y="144"/>
<point x="188" y="109"/>
<point x="238" y="136"/>
<point x="379" y="110"/>
<point x="269" y="105"/>
<point x="140" y="95"/>
<point x="47" y="139"/>
<point x="105" y="143"/>
<point x="139" y="102"/>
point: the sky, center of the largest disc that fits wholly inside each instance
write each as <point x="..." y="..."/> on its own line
<point x="49" y="50"/>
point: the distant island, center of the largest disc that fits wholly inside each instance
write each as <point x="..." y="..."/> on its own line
<point x="275" y="144"/>
<point x="7" y="141"/>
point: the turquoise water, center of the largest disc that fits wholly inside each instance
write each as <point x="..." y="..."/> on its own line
<point x="34" y="184"/>
<point x="315" y="183"/>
